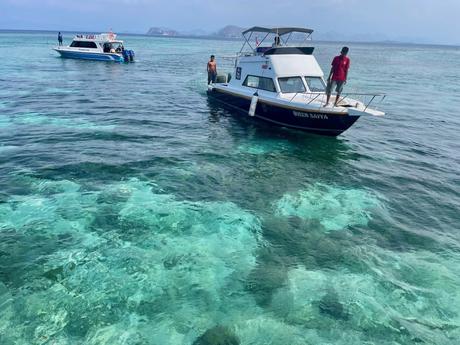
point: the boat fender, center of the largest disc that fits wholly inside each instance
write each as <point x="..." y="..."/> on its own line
<point x="252" y="108"/>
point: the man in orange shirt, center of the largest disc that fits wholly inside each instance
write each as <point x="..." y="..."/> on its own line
<point x="212" y="70"/>
<point x="338" y="75"/>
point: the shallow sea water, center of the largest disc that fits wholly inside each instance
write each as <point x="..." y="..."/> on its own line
<point x="135" y="211"/>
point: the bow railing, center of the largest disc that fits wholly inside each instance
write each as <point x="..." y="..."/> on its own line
<point x="366" y="99"/>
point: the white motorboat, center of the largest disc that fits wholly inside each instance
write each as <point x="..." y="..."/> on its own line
<point x="284" y="85"/>
<point x="103" y="47"/>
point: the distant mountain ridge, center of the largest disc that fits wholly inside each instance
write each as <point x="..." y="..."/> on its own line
<point x="233" y="32"/>
<point x="229" y="32"/>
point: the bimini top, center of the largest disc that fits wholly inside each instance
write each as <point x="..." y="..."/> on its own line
<point x="282" y="37"/>
<point x="279" y="31"/>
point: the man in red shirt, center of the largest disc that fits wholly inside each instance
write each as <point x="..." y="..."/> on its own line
<point x="338" y="76"/>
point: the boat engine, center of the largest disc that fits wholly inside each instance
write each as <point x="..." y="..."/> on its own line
<point x="126" y="55"/>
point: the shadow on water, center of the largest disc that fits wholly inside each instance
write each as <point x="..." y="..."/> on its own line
<point x="297" y="242"/>
<point x="24" y="245"/>
<point x="217" y="335"/>
<point x="310" y="145"/>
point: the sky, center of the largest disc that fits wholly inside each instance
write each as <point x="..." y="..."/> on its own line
<point x="419" y="21"/>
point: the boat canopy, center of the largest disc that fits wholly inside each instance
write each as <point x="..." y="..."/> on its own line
<point x="280" y="31"/>
<point x="282" y="36"/>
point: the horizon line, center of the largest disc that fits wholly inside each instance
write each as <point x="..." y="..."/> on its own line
<point x="211" y="36"/>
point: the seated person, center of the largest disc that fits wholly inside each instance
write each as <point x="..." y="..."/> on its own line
<point x="261" y="50"/>
<point x="112" y="50"/>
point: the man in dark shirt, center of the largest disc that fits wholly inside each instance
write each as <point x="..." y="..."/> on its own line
<point x="60" y="38"/>
<point x="338" y="75"/>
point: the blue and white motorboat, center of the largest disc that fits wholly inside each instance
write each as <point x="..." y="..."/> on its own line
<point x="283" y="84"/>
<point x="103" y="47"/>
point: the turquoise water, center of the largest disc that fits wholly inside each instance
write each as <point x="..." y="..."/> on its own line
<point x="133" y="211"/>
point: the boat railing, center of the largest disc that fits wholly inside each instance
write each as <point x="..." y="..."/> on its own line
<point x="228" y="61"/>
<point x="96" y="37"/>
<point x="366" y="99"/>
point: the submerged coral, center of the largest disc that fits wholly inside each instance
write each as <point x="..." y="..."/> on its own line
<point x="335" y="208"/>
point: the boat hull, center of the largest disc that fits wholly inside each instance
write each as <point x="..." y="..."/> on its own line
<point x="312" y="121"/>
<point x="90" y="56"/>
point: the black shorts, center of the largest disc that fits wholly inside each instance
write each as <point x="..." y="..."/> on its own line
<point x="212" y="77"/>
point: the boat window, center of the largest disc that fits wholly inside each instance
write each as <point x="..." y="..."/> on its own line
<point x="315" y="84"/>
<point x="83" y="44"/>
<point x="262" y="83"/>
<point x="291" y="85"/>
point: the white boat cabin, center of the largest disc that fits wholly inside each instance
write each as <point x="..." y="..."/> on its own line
<point x="106" y="43"/>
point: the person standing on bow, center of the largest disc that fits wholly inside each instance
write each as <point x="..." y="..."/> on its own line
<point x="60" y="38"/>
<point x="338" y="75"/>
<point x="212" y="70"/>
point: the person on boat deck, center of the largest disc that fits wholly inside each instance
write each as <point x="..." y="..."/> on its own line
<point x="338" y="75"/>
<point x="276" y="42"/>
<point x="212" y="70"/>
<point x="60" y="38"/>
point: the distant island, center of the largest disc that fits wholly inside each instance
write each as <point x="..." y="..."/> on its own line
<point x="228" y="32"/>
<point x="162" y="32"/>
<point x="233" y="32"/>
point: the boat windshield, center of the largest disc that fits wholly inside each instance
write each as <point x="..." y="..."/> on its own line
<point x="291" y="85"/>
<point x="315" y="84"/>
<point x="113" y="47"/>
